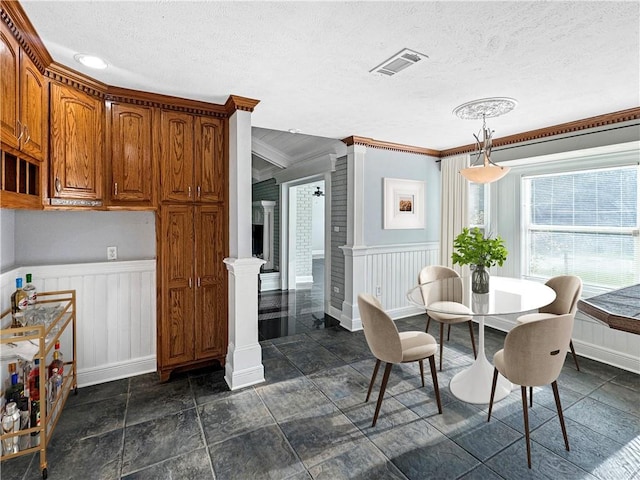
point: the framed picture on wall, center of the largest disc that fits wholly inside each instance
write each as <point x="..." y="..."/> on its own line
<point x="403" y="204"/>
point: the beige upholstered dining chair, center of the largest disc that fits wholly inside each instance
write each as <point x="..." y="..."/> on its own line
<point x="568" y="289"/>
<point x="533" y="355"/>
<point x="390" y="346"/>
<point x="430" y="294"/>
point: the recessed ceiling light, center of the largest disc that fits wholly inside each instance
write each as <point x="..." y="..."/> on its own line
<point x="294" y="130"/>
<point x="90" y="61"/>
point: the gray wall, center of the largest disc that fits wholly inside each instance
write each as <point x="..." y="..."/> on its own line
<point x="339" y="238"/>
<point x="52" y="237"/>
<point x="380" y="164"/>
<point x="7" y="238"/>
<point x="269" y="190"/>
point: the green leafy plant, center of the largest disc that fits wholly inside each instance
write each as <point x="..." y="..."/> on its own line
<point x="473" y="248"/>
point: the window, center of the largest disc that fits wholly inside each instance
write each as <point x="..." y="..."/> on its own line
<point x="583" y="223"/>
<point x="478" y="206"/>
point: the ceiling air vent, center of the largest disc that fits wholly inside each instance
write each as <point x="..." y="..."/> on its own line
<point x="401" y="60"/>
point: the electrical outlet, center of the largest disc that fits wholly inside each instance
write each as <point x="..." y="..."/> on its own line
<point x="336" y="289"/>
<point x="112" y="253"/>
<point x="336" y="229"/>
<point x="378" y="291"/>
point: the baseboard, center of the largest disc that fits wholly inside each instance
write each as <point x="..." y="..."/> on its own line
<point x="243" y="378"/>
<point x="116" y="371"/>
<point x="269" y="281"/>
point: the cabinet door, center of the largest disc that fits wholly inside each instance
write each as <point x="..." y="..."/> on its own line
<point x="177" y="157"/>
<point x="131" y="148"/>
<point x="211" y="282"/>
<point x="76" y="144"/>
<point x="33" y="105"/>
<point x="176" y="327"/>
<point x="9" y="84"/>
<point x="210" y="161"/>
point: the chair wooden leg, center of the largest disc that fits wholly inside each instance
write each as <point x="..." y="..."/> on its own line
<point x="531" y="397"/>
<point x="441" y="343"/>
<point x="473" y="340"/>
<point x="383" y="387"/>
<point x="525" y="412"/>
<point x="573" y="352"/>
<point x="556" y="395"/>
<point x="434" y="376"/>
<point x="493" y="391"/>
<point x="421" y="371"/>
<point x="426" y="330"/>
<point x="373" y="379"/>
<point x="448" y="332"/>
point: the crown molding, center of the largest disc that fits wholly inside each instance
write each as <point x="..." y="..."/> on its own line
<point x="560" y="129"/>
<point x="13" y="16"/>
<point x="397" y="147"/>
<point x="138" y="97"/>
<point x="62" y="74"/>
<point x="235" y="102"/>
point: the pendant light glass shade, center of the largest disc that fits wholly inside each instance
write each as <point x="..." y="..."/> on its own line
<point x="486" y="173"/>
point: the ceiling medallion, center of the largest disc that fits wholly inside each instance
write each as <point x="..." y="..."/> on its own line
<point x="485" y="108"/>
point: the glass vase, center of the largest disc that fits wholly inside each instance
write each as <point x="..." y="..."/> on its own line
<point x="480" y="280"/>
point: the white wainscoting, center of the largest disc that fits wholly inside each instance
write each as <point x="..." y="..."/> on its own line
<point x="394" y="270"/>
<point x="116" y="314"/>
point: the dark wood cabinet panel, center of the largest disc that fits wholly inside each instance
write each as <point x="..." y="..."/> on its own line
<point x="76" y="144"/>
<point x="130" y="146"/>
<point x="177" y="157"/>
<point x="210" y="167"/>
<point x="211" y="281"/>
<point x="33" y="109"/>
<point x="192" y="322"/>
<point x="10" y="127"/>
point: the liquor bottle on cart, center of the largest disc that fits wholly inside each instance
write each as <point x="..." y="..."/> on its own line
<point x="19" y="304"/>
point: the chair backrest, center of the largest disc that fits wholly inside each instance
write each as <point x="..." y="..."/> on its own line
<point x="379" y="330"/>
<point x="534" y="352"/>
<point x="435" y="292"/>
<point x="568" y="289"/>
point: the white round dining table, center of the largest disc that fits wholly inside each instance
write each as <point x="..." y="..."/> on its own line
<point x="506" y="296"/>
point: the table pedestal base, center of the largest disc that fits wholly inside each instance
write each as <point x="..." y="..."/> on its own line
<point x="473" y="385"/>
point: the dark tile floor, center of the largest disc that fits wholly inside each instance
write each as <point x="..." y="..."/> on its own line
<point x="309" y="420"/>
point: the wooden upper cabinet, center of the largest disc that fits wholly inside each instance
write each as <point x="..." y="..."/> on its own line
<point x="33" y="105"/>
<point x="177" y="156"/>
<point x="209" y="164"/>
<point x="76" y="132"/>
<point x="24" y="99"/>
<point x="192" y="150"/>
<point x="10" y="127"/>
<point x="130" y="148"/>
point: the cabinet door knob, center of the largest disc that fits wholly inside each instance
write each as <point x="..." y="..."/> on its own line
<point x="190" y="283"/>
<point x="189" y="191"/>
<point x="26" y="129"/>
<point x="199" y="284"/>
<point x="58" y="185"/>
<point x="115" y="189"/>
<point x="20" y="129"/>
<point x="199" y="191"/>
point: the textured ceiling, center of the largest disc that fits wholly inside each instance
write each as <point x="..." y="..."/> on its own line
<point x="308" y="62"/>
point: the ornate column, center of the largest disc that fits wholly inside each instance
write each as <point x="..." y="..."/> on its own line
<point x="244" y="355"/>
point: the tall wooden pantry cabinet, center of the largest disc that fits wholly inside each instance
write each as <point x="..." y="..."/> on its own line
<point x="192" y="243"/>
